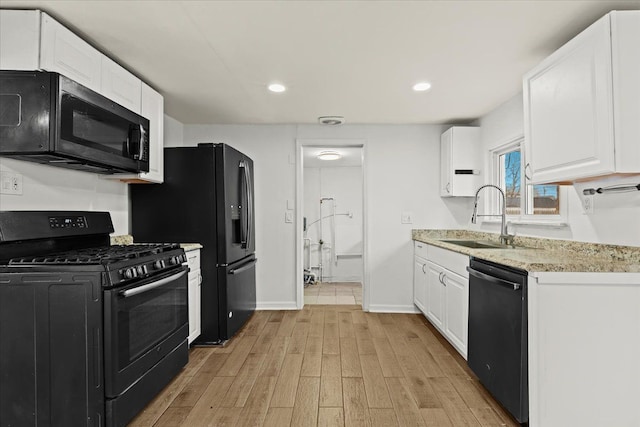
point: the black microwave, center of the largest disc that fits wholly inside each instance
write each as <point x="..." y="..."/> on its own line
<point x="48" y="118"/>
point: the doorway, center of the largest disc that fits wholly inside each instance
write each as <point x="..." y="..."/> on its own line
<point x="331" y="234"/>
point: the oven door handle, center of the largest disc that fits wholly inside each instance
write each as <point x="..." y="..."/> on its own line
<point x="494" y="280"/>
<point x="149" y="286"/>
<point x="244" y="267"/>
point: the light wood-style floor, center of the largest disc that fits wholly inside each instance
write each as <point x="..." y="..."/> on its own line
<point x="333" y="293"/>
<point x="327" y="366"/>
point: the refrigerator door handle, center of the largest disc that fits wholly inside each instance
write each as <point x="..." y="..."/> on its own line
<point x="244" y="267"/>
<point x="244" y="211"/>
<point x="250" y="207"/>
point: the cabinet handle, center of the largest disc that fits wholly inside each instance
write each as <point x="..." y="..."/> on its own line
<point x="440" y="277"/>
<point x="423" y="266"/>
<point x="444" y="279"/>
<point x="448" y="187"/>
<point x="527" y="166"/>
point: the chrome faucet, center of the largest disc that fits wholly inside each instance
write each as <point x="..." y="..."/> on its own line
<point x="505" y="237"/>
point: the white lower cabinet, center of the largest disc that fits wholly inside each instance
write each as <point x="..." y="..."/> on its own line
<point x="194" y="291"/>
<point x="584" y="348"/>
<point x="441" y="292"/>
<point x="435" y="295"/>
<point x="456" y="309"/>
<point x="420" y="278"/>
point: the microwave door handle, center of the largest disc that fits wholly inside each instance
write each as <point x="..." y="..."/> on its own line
<point x="150" y="286"/>
<point x="141" y="142"/>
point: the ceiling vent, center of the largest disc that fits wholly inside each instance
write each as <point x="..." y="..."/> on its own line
<point x="331" y="120"/>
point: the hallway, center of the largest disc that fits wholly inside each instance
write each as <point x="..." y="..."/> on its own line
<point x="341" y="293"/>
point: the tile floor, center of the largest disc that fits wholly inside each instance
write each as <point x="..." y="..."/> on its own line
<point x="342" y="293"/>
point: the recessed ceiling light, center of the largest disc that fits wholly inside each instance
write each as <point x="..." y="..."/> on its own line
<point x="329" y="155"/>
<point x="422" y="86"/>
<point x="276" y="87"/>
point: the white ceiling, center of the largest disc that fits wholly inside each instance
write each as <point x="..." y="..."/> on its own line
<point x="212" y="60"/>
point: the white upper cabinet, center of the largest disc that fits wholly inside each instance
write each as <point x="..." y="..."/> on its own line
<point x="153" y="109"/>
<point x="19" y="40"/>
<point x="121" y="86"/>
<point x="66" y="53"/>
<point x="460" y="161"/>
<point x="582" y="105"/>
<point x="32" y="40"/>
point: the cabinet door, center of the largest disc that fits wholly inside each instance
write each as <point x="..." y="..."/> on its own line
<point x="64" y="52"/>
<point x="194" y="305"/>
<point x="435" y="295"/>
<point x="446" y="172"/>
<point x="457" y="310"/>
<point x="120" y="85"/>
<point x="153" y="109"/>
<point x="420" y="283"/>
<point x="19" y="39"/>
<point x="568" y="106"/>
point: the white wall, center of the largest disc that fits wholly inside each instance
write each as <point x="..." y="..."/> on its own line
<point x="344" y="185"/>
<point x="615" y="219"/>
<point x="402" y="172"/>
<point x="173" y="132"/>
<point x="51" y="188"/>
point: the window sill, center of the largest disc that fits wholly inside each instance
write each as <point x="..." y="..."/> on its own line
<point x="545" y="223"/>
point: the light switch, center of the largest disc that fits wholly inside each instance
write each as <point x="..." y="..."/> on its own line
<point x="288" y="216"/>
<point x="406" y="218"/>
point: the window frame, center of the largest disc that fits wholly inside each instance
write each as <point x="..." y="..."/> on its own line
<point x="526" y="193"/>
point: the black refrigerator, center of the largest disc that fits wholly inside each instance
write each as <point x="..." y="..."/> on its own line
<point x="206" y="197"/>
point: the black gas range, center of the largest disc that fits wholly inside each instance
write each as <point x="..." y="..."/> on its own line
<point x="96" y="330"/>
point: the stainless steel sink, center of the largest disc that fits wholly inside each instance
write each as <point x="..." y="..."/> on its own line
<point x="478" y="244"/>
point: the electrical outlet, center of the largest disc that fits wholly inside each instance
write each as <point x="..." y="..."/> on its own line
<point x="587" y="204"/>
<point x="10" y="183"/>
<point x="406" y="218"/>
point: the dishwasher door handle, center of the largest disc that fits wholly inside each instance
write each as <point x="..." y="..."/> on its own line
<point x="494" y="280"/>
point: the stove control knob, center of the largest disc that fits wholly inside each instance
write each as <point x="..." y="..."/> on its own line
<point x="141" y="270"/>
<point x="173" y="260"/>
<point x="159" y="264"/>
<point x="129" y="273"/>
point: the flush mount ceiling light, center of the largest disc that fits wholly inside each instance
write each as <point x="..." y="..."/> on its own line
<point x="331" y="120"/>
<point x="276" y="87"/>
<point x="329" y="155"/>
<point x="422" y="86"/>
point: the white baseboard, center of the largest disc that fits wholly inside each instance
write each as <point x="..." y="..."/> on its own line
<point x="387" y="308"/>
<point x="278" y="305"/>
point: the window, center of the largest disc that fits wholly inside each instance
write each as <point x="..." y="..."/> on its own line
<point x="531" y="202"/>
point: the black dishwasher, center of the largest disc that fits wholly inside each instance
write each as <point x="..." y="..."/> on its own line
<point x="497" y="349"/>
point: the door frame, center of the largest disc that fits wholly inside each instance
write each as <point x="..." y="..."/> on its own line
<point x="299" y="278"/>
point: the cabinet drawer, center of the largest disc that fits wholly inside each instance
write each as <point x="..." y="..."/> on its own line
<point x="420" y="249"/>
<point x="450" y="260"/>
<point x="193" y="260"/>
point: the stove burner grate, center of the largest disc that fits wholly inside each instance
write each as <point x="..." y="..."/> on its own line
<point x="100" y="255"/>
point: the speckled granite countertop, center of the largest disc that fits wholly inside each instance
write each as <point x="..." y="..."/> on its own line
<point x="541" y="255"/>
<point x="127" y="239"/>
<point x="124" y="239"/>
